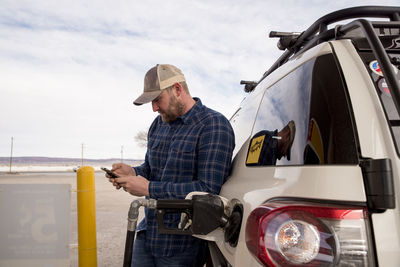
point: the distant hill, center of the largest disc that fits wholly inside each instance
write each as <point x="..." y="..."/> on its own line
<point x="63" y="161"/>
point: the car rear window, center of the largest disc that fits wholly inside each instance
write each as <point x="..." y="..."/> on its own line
<point x="312" y="104"/>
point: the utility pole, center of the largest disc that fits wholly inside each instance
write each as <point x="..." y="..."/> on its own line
<point x="82" y="154"/>
<point x="122" y="154"/>
<point x="11" y="156"/>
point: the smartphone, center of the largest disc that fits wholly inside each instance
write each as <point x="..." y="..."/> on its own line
<point x="110" y="173"/>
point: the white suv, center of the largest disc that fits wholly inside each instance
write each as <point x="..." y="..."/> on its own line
<point x="335" y="200"/>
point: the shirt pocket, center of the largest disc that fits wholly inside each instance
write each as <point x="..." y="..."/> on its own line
<point x="183" y="146"/>
<point x="154" y="155"/>
<point x="153" y="145"/>
<point x="183" y="159"/>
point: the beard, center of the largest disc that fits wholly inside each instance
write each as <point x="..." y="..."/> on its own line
<point x="174" y="110"/>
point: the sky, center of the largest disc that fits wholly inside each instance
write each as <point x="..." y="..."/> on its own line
<point x="70" y="70"/>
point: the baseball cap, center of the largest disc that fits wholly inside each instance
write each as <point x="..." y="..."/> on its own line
<point x="156" y="80"/>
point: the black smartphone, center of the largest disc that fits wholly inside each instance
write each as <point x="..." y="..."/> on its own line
<point x="110" y="173"/>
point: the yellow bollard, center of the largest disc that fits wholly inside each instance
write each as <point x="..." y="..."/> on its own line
<point x="87" y="247"/>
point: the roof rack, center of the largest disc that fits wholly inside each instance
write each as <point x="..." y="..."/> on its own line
<point x="318" y="31"/>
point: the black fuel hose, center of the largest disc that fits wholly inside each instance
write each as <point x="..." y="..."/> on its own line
<point x="130" y="239"/>
<point x="133" y="215"/>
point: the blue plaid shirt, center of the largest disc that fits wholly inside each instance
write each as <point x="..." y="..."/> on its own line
<point x="193" y="153"/>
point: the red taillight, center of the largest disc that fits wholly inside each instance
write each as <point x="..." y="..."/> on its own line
<point x="282" y="234"/>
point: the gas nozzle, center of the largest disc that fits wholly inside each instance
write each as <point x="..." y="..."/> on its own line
<point x="201" y="213"/>
<point x="206" y="211"/>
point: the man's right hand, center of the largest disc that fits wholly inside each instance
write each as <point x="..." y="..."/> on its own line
<point x="122" y="169"/>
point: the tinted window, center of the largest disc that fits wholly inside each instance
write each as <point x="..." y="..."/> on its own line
<point x="304" y="119"/>
<point x="243" y="119"/>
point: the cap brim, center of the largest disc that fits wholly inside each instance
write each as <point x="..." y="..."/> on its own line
<point x="146" y="97"/>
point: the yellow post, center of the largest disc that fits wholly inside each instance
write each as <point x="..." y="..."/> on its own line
<point x="87" y="246"/>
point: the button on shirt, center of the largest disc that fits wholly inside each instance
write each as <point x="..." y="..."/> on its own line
<point x="193" y="153"/>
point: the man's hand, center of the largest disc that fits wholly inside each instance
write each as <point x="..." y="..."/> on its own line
<point x="135" y="185"/>
<point x="122" y="169"/>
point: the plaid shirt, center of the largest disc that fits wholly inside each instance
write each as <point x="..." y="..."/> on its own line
<point x="193" y="153"/>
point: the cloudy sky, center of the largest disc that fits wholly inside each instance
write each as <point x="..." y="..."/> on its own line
<point x="71" y="69"/>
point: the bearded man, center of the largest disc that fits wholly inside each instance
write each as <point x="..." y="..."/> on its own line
<point x="189" y="149"/>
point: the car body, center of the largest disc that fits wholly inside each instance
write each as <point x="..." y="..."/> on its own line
<point x="336" y="201"/>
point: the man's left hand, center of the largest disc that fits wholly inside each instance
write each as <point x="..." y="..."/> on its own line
<point x="135" y="185"/>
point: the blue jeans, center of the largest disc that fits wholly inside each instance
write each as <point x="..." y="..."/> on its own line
<point x="141" y="257"/>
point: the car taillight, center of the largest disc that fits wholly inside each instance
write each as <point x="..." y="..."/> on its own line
<point x="288" y="234"/>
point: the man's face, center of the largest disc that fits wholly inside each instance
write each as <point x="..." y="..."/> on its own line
<point x="168" y="106"/>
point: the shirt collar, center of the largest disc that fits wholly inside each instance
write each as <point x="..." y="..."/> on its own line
<point x="196" y="109"/>
<point x="188" y="117"/>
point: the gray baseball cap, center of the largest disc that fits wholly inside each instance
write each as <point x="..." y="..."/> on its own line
<point x="156" y="80"/>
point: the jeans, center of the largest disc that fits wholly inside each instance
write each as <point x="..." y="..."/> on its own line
<point x="141" y="257"/>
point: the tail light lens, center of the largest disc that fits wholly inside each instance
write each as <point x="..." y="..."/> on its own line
<point x="288" y="234"/>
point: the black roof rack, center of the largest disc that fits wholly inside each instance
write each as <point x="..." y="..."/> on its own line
<point x="318" y="32"/>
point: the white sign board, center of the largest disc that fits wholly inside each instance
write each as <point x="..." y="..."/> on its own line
<point x="34" y="224"/>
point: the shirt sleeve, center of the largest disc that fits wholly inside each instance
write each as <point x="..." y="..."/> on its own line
<point x="215" y="148"/>
<point x="144" y="169"/>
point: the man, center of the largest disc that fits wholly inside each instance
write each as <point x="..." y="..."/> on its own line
<point x="189" y="149"/>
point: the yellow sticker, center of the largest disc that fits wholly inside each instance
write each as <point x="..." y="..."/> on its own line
<point x="255" y="149"/>
<point x="314" y="140"/>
